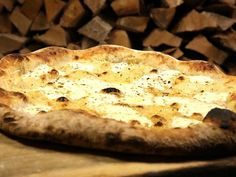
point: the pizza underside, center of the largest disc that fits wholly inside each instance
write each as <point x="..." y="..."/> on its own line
<point x="114" y="98"/>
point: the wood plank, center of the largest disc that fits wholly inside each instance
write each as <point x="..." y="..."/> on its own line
<point x="20" y="21"/>
<point x="96" y="29"/>
<point x="127" y="7"/>
<point x="162" y="17"/>
<point x="11" y="42"/>
<point x="31" y="8"/>
<point x="73" y="46"/>
<point x="136" y="24"/>
<point x="95" y="6"/>
<point x="51" y="37"/>
<point x="202" y="45"/>
<point x="72" y="14"/>
<point x="40" y="23"/>
<point x="53" y="8"/>
<point x="158" y="37"/>
<point x="40" y="159"/>
<point x="119" y="37"/>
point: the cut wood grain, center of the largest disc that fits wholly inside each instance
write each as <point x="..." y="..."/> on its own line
<point x="202" y="45"/>
<point x="53" y="8"/>
<point x="20" y="21"/>
<point x="162" y="17"/>
<point x="133" y="23"/>
<point x="174" y="52"/>
<point x="96" y="29"/>
<point x="127" y="7"/>
<point x="56" y="35"/>
<point x="158" y="37"/>
<point x="227" y="40"/>
<point x="95" y="5"/>
<point x="72" y="14"/>
<point x="31" y="8"/>
<point x="119" y="37"/>
<point x="11" y="42"/>
<point x="5" y="23"/>
<point x="40" y="23"/>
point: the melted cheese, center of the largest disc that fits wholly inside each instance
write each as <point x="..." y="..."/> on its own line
<point x="122" y="106"/>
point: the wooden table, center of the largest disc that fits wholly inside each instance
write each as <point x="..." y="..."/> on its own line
<point x="41" y="159"/>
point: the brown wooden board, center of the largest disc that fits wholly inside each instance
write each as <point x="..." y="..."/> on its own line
<point x="26" y="158"/>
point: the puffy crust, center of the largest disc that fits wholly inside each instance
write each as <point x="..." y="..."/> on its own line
<point x="82" y="129"/>
<point x="86" y="130"/>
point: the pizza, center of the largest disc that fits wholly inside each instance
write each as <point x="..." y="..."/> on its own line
<point x="118" y="99"/>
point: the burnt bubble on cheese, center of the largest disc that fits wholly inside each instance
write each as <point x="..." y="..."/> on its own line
<point x="127" y="92"/>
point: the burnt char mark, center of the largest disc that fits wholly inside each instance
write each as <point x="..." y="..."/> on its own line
<point x="19" y="57"/>
<point x="8" y="118"/>
<point x="111" y="90"/>
<point x="224" y="118"/>
<point x="53" y="72"/>
<point x="20" y="95"/>
<point x="203" y="66"/>
<point x="62" y="99"/>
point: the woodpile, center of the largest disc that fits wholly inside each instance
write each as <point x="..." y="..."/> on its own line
<point x="185" y="29"/>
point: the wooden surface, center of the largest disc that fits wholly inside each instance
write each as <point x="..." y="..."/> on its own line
<point x="28" y="158"/>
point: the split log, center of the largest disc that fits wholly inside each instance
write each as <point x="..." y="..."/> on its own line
<point x="228" y="40"/>
<point x="95" y="6"/>
<point x="20" y="1"/>
<point x="127" y="7"/>
<point x="119" y="37"/>
<point x="31" y="8"/>
<point x="96" y="29"/>
<point x="195" y="21"/>
<point x="40" y="23"/>
<point x="1" y="7"/>
<point x="230" y="2"/>
<point x="87" y="43"/>
<point x="174" y="52"/>
<point x="72" y="14"/>
<point x="8" y="4"/>
<point x="172" y="3"/>
<point x="133" y="23"/>
<point x="73" y="46"/>
<point x="24" y="51"/>
<point x="201" y="45"/>
<point x="162" y="17"/>
<point x="158" y="37"/>
<point x="21" y="22"/>
<point x="11" y="42"/>
<point x="53" y="8"/>
<point x="56" y="36"/>
<point x="5" y="24"/>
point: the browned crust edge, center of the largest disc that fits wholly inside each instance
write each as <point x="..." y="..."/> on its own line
<point x="85" y="130"/>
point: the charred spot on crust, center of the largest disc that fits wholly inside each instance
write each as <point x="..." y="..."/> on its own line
<point x="76" y="57"/>
<point x="181" y="78"/>
<point x="153" y="71"/>
<point x="159" y="121"/>
<point x="53" y="72"/>
<point x="20" y="95"/>
<point x="62" y="99"/>
<point x="111" y="90"/>
<point x="224" y="118"/>
<point x="8" y="118"/>
<point x="112" y="138"/>
<point x="19" y="57"/>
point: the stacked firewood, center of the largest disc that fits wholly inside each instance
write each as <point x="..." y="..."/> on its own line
<point x="185" y="29"/>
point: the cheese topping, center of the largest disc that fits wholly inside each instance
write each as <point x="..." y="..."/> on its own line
<point x="152" y="93"/>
